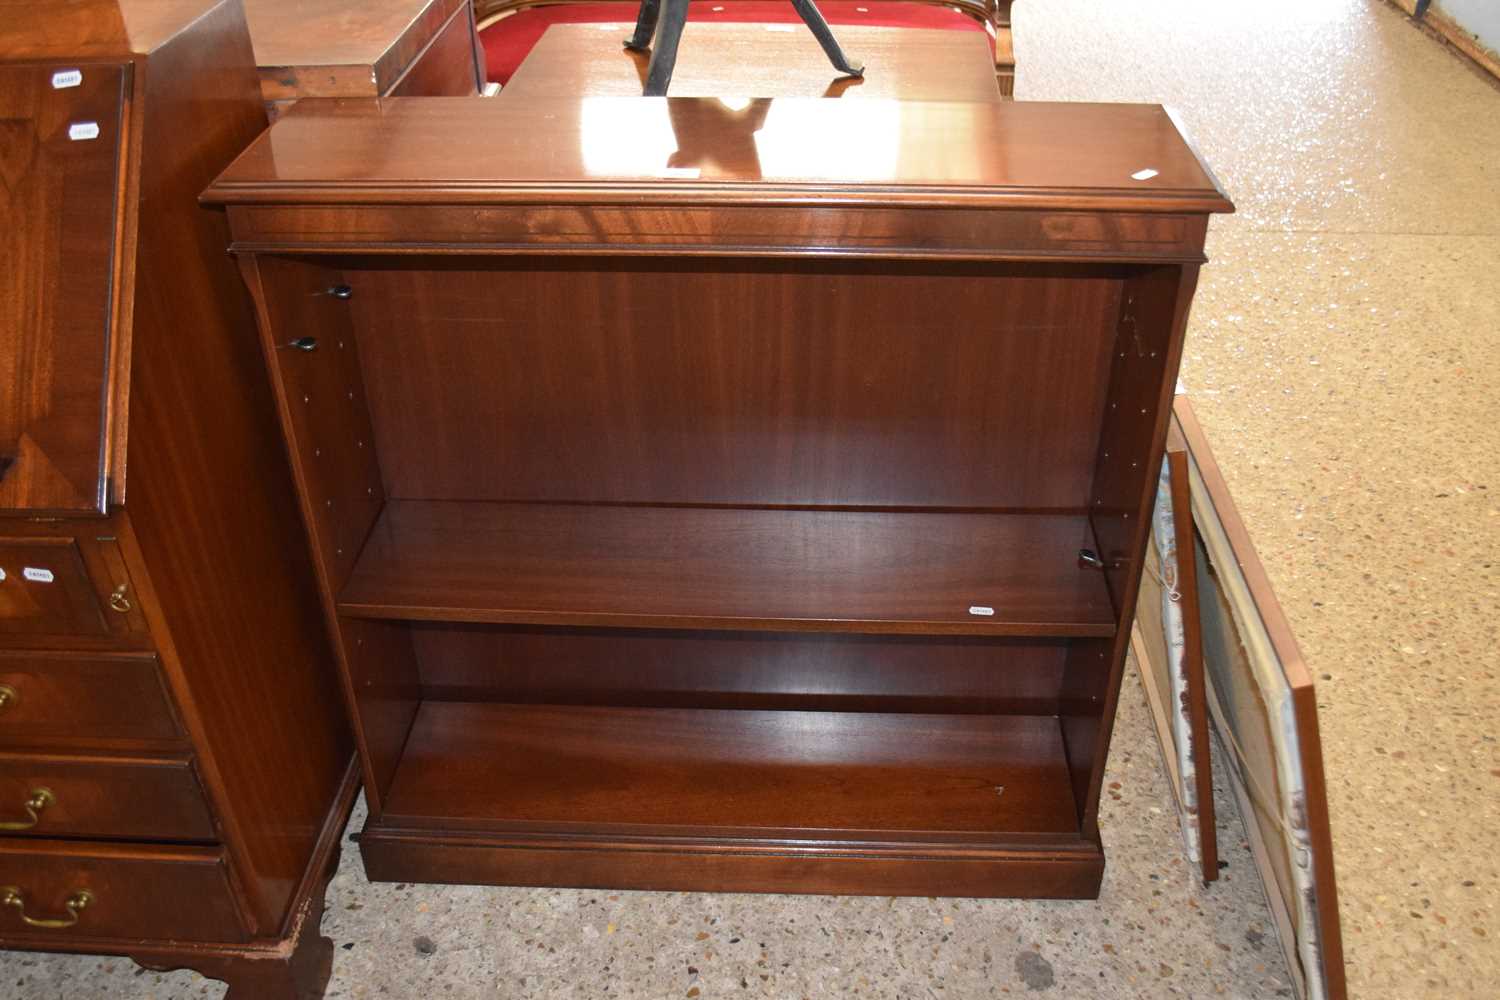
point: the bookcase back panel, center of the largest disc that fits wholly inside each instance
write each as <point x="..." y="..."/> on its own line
<point x="736" y="381"/>
<point x="762" y="670"/>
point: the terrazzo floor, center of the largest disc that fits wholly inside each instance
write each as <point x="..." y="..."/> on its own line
<point x="1341" y="357"/>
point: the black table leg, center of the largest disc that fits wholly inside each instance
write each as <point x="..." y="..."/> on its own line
<point x="808" y="11"/>
<point x="645" y="26"/>
<point x="664" y="49"/>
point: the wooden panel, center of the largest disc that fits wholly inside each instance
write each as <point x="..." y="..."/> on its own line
<point x="342" y="48"/>
<point x="768" y="670"/>
<point x="384" y="693"/>
<point x="308" y="341"/>
<point x="138" y="893"/>
<point x="736" y="381"/>
<point x="1196" y="707"/>
<point x="140" y="798"/>
<point x="326" y="428"/>
<point x="1153" y="323"/>
<point x="730" y="568"/>
<point x="447" y="67"/>
<point x="83" y="698"/>
<point x="761" y="60"/>
<point x="1172" y="672"/>
<point x="213" y="524"/>
<point x="45" y="589"/>
<point x="1238" y="594"/>
<point x="496" y="766"/>
<point x="679" y="230"/>
<point x="59" y="166"/>
<point x="716" y="866"/>
<point x="1031" y="155"/>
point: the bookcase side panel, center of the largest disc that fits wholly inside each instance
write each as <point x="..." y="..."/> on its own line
<point x="1147" y="351"/>
<point x="310" y="351"/>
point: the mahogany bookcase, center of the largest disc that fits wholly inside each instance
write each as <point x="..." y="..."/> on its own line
<point x="727" y="495"/>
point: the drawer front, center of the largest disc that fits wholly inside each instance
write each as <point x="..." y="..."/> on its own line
<point x="45" y="589"/>
<point x="54" y="892"/>
<point x="82" y="698"/>
<point x="55" y="584"/>
<point x="116" y="798"/>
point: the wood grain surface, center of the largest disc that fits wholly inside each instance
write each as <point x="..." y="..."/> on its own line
<point x="738" y="61"/>
<point x="59" y="169"/>
<point x="799" y="773"/>
<point x="736" y="568"/>
<point x="572" y="150"/>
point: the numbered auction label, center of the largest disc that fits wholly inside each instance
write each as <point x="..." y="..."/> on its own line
<point x="83" y="131"/>
<point x="37" y="575"/>
<point x="65" y="78"/>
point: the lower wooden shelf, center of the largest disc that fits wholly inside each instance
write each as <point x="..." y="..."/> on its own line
<point x="735" y="800"/>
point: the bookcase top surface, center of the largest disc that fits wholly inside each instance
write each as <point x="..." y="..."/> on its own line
<point x="642" y="151"/>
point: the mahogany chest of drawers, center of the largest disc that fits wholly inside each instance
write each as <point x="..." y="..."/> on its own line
<point x="174" y="760"/>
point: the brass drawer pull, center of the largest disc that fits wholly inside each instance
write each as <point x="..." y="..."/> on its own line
<point x="118" y="600"/>
<point x="40" y="799"/>
<point x="76" y="904"/>
<point x="8" y="696"/>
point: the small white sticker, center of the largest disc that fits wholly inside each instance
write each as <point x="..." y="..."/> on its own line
<point x="1144" y="175"/>
<point x="37" y="575"/>
<point x="81" y="131"/>
<point x="980" y="609"/>
<point x="65" y="78"/>
<point x="2" y="574"/>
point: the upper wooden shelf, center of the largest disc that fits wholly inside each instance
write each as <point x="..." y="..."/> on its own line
<point x="646" y="151"/>
<point x="730" y="568"/>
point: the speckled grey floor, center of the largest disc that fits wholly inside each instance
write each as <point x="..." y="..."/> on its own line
<point x="1341" y="357"/>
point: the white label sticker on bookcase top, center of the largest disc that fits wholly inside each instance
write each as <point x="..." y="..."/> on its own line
<point x="37" y="575"/>
<point x="83" y="131"/>
<point x="983" y="610"/>
<point x="65" y="78"/>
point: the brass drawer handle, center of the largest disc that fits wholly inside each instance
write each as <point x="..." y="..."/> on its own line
<point x="76" y="904"/>
<point x="8" y="696"/>
<point x="118" y="600"/>
<point x="40" y="799"/>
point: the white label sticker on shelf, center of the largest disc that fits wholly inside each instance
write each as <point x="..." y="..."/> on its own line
<point x="65" y="78"/>
<point x="2" y="574"/>
<point x="83" y="131"/>
<point x="981" y="609"/>
<point x="37" y="575"/>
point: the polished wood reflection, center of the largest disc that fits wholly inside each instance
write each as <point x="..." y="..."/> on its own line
<point x="1071" y="156"/>
<point x="762" y="60"/>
